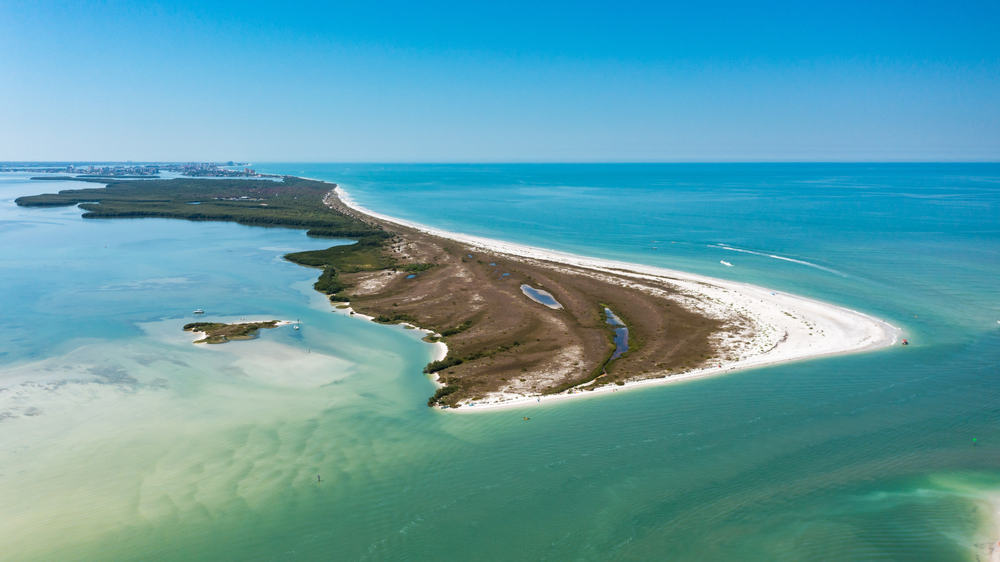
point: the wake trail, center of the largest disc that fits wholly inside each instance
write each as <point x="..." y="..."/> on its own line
<point x="777" y="257"/>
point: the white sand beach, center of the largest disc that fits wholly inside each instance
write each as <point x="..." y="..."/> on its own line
<point x="785" y="327"/>
<point x="440" y="348"/>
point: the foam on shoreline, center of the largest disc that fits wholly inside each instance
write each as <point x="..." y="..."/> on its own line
<point x="793" y="328"/>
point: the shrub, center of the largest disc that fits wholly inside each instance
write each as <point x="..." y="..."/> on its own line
<point x="435" y="366"/>
<point x="441" y="393"/>
<point x="457" y="329"/>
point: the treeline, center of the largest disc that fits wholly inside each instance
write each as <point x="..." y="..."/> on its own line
<point x="367" y="254"/>
<point x="290" y="203"/>
<point x="442" y="364"/>
<point x="441" y="393"/>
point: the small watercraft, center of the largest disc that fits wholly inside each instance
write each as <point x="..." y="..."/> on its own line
<point x="906" y="342"/>
<point x="295" y="326"/>
<point x="199" y="311"/>
<point x="725" y="263"/>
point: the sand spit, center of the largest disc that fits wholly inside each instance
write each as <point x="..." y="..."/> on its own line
<point x="786" y="327"/>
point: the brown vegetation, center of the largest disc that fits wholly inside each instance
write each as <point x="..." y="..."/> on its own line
<point x="500" y="340"/>
<point x="217" y="332"/>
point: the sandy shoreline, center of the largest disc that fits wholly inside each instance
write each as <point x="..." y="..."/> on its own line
<point x="799" y="328"/>
<point x="992" y="552"/>
<point x="440" y="348"/>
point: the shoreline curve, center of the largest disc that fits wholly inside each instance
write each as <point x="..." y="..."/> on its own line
<point x="841" y="330"/>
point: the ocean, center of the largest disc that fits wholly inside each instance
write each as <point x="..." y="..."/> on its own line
<point x="119" y="439"/>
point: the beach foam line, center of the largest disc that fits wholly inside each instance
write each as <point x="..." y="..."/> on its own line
<point x="808" y="328"/>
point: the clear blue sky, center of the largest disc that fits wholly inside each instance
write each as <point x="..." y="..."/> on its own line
<point x="500" y="81"/>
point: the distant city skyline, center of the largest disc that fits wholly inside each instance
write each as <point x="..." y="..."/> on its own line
<point x="517" y="82"/>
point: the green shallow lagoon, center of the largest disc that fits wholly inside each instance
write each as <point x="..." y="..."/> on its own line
<point x="119" y="439"/>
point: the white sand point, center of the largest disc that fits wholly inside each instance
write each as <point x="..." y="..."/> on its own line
<point x="808" y="328"/>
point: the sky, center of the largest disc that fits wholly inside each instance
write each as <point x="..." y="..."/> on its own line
<point x="500" y="81"/>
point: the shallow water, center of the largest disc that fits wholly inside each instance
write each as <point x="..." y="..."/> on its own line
<point x="621" y="333"/>
<point x="540" y="296"/>
<point x="121" y="439"/>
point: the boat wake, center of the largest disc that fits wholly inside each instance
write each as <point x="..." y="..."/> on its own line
<point x="777" y="257"/>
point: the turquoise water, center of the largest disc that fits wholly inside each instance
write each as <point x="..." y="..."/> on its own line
<point x="121" y="439"/>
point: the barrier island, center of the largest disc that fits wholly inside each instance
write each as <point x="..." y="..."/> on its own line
<point x="507" y="345"/>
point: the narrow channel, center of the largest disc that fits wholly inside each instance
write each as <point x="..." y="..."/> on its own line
<point x="621" y="334"/>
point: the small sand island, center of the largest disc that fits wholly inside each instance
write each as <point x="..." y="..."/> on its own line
<point x="513" y="324"/>
<point x="217" y="332"/>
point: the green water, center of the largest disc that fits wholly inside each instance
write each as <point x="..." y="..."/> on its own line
<point x="119" y="439"/>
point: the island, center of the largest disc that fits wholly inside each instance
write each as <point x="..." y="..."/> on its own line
<point x="217" y="332"/>
<point x="512" y="324"/>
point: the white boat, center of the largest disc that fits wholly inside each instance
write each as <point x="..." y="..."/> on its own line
<point x="725" y="263"/>
<point x="199" y="311"/>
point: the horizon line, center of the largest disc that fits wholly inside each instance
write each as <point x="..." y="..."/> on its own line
<point x="479" y="162"/>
